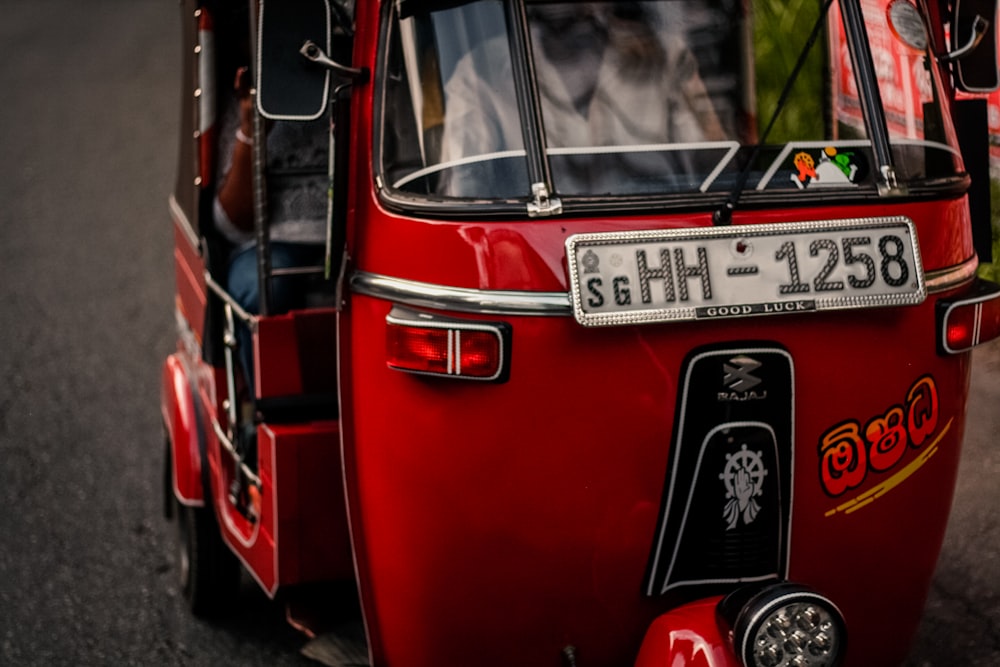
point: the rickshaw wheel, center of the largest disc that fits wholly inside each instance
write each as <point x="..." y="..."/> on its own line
<point x="209" y="572"/>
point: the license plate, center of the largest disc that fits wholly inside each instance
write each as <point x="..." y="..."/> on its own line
<point x="718" y="272"/>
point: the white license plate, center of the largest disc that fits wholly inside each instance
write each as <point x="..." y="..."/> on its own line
<point x="715" y="272"/>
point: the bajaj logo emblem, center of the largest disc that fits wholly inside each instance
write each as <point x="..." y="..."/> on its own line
<point x="739" y="381"/>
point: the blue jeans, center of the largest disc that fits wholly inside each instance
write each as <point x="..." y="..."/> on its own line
<point x="286" y="291"/>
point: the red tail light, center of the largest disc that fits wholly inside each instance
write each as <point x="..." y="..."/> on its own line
<point x="421" y="350"/>
<point x="971" y="320"/>
<point x="429" y="345"/>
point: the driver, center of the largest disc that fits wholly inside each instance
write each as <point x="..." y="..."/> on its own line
<point x="296" y="207"/>
<point x="605" y="77"/>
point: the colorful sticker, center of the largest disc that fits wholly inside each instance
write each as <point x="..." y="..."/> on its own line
<point x="834" y="168"/>
<point x="849" y="453"/>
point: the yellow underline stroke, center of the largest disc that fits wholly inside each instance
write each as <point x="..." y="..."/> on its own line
<point x="876" y="492"/>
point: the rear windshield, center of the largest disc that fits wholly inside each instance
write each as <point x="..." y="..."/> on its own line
<point x="661" y="97"/>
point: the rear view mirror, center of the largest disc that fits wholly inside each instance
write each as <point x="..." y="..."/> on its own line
<point x="907" y="24"/>
<point x="974" y="46"/>
<point x="289" y="86"/>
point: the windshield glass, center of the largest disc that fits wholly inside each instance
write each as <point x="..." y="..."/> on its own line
<point x="658" y="97"/>
<point x="920" y="131"/>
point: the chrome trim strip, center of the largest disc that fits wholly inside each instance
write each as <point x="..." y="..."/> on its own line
<point x="460" y="299"/>
<point x="942" y="280"/>
<point x="251" y="320"/>
<point x="181" y="219"/>
<point x="441" y="166"/>
<point x="509" y="302"/>
<point x="229" y="448"/>
<point x="235" y="534"/>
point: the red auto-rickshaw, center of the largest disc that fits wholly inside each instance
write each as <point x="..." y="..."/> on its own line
<point x="636" y="333"/>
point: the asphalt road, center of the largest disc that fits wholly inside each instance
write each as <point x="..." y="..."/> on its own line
<point x="88" y="109"/>
<point x="89" y="102"/>
<point x="961" y="624"/>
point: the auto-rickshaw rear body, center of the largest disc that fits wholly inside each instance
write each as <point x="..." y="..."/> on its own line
<point x="688" y="399"/>
<point x="558" y="479"/>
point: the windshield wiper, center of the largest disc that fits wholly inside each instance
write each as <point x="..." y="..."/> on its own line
<point x="724" y="214"/>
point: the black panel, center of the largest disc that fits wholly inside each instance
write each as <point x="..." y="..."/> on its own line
<point x="727" y="498"/>
<point x="972" y="126"/>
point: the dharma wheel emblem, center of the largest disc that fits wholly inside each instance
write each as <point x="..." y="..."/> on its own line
<point x="743" y="478"/>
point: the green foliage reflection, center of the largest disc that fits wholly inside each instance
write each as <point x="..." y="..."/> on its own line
<point x="780" y="31"/>
<point x="992" y="271"/>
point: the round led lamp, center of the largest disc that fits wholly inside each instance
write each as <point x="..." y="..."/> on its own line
<point x="785" y="625"/>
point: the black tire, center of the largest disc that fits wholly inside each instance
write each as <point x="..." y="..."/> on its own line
<point x="209" y="572"/>
<point x="168" y="477"/>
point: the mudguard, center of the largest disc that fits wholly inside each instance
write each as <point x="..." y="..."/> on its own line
<point x="181" y="420"/>
<point x="688" y="636"/>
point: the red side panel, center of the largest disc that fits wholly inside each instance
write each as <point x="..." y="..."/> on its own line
<point x="296" y="353"/>
<point x="189" y="270"/>
<point x="180" y="420"/>
<point x="301" y="533"/>
<point x="312" y="517"/>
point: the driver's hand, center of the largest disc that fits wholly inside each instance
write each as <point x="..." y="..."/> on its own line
<point x="242" y="85"/>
